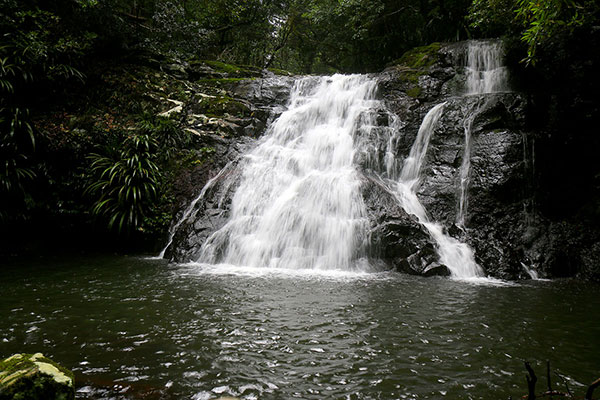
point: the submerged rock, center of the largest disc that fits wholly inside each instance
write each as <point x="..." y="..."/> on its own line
<point x="35" y="377"/>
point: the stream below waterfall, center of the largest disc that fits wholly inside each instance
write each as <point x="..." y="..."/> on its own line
<point x="133" y="328"/>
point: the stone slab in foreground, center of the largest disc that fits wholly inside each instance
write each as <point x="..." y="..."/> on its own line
<point x="33" y="377"/>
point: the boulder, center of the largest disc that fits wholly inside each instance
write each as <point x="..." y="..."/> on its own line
<point x="396" y="238"/>
<point x="35" y="377"/>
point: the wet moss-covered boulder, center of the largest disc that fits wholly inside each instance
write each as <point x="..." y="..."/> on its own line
<point x="33" y="377"/>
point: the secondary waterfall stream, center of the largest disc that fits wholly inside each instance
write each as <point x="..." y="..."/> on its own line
<point x="457" y="256"/>
<point x="485" y="74"/>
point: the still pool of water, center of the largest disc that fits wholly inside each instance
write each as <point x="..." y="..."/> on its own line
<point x="134" y="328"/>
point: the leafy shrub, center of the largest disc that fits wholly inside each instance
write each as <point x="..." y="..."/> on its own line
<point x="165" y="132"/>
<point x="127" y="182"/>
<point x="546" y="20"/>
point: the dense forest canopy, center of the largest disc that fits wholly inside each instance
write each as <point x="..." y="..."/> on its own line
<point x="298" y="35"/>
<point x="51" y="49"/>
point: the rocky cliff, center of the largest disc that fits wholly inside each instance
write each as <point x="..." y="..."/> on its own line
<point x="503" y="221"/>
<point x="494" y="208"/>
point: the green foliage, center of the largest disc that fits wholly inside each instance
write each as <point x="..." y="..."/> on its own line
<point x="545" y="20"/>
<point x="36" y="51"/>
<point x="165" y="132"/>
<point x="493" y="18"/>
<point x="126" y="182"/>
<point x="17" y="141"/>
<point x="537" y="23"/>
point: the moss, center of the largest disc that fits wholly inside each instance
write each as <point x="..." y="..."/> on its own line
<point x="220" y="105"/>
<point x="419" y="57"/>
<point x="410" y="75"/>
<point x="33" y="376"/>
<point x="232" y="69"/>
<point x="278" y="71"/>
<point x="414" y="64"/>
<point x="414" y="91"/>
<point x="222" y="81"/>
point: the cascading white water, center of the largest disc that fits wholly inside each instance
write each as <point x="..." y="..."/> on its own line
<point x="485" y="74"/>
<point x="189" y="211"/>
<point x="465" y="168"/>
<point x="485" y="70"/>
<point x="298" y="205"/>
<point x="457" y="256"/>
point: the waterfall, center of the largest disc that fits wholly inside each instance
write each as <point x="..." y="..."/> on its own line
<point x="413" y="163"/>
<point x="485" y="74"/>
<point x="189" y="211"/>
<point x="457" y="256"/>
<point x="465" y="166"/>
<point x="485" y="70"/>
<point x="298" y="204"/>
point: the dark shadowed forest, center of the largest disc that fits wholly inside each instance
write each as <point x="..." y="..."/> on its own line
<point x="83" y="149"/>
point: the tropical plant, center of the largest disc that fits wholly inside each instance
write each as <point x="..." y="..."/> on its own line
<point x="165" y="132"/>
<point x="545" y="20"/>
<point x="17" y="141"/>
<point x="37" y="52"/>
<point x="127" y="181"/>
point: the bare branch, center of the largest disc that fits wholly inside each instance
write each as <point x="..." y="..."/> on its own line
<point x="590" y="391"/>
<point x="531" y="381"/>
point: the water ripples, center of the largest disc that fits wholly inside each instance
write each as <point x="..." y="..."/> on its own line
<point x="142" y="329"/>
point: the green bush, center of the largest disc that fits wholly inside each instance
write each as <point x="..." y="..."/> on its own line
<point x="165" y="132"/>
<point x="127" y="182"/>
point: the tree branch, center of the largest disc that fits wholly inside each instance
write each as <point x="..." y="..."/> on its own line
<point x="531" y="381"/>
<point x="590" y="391"/>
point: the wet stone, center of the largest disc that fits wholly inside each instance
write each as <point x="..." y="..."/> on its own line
<point x="33" y="377"/>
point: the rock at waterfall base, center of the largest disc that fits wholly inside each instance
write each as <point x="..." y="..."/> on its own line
<point x="34" y="377"/>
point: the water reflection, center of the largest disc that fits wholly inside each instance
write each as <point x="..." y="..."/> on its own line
<point x="134" y="328"/>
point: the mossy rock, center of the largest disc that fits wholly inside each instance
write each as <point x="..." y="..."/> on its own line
<point x="35" y="377"/>
<point x="414" y="92"/>
<point x="421" y="57"/>
<point x="280" y="72"/>
<point x="414" y="64"/>
<point x="217" y="106"/>
<point x="229" y="70"/>
<point x="222" y="81"/>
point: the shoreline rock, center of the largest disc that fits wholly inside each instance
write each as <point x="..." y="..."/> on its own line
<point x="33" y="376"/>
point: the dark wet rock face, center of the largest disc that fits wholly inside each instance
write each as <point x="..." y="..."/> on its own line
<point x="208" y="215"/>
<point x="500" y="222"/>
<point x="495" y="215"/>
<point x="496" y="157"/>
<point x="397" y="238"/>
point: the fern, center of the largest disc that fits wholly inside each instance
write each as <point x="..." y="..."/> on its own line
<point x="126" y="184"/>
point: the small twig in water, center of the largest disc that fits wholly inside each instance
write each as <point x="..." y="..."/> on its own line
<point x="590" y="391"/>
<point x="565" y="382"/>
<point x="531" y="381"/>
<point x="548" y="375"/>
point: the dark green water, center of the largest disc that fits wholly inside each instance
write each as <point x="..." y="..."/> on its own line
<point x="134" y="328"/>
